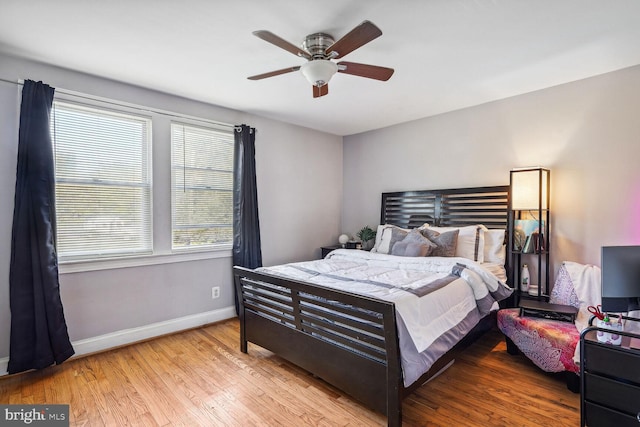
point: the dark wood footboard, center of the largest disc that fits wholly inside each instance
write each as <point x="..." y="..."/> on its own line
<point x="348" y="340"/>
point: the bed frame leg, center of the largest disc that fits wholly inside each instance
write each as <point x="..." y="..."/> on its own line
<point x="394" y="421"/>
<point x="394" y="416"/>
<point x="243" y="333"/>
<point x="394" y="403"/>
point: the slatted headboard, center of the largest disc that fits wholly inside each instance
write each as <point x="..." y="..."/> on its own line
<point x="447" y="208"/>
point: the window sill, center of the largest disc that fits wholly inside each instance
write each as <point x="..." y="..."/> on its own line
<point x="139" y="261"/>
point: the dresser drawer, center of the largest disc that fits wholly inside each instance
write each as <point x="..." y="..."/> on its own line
<point x="613" y="394"/>
<point x="599" y="416"/>
<point x="612" y="361"/>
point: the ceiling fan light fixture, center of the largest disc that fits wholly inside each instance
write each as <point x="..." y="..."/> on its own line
<point x="319" y="71"/>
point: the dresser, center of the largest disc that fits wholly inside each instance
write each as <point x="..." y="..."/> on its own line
<point x="610" y="381"/>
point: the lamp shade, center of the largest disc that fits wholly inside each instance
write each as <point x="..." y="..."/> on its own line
<point x="319" y="71"/>
<point x="530" y="188"/>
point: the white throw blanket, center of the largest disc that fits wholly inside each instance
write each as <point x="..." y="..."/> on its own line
<point x="586" y="281"/>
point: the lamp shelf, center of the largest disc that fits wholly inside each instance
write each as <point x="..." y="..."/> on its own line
<point x="529" y="214"/>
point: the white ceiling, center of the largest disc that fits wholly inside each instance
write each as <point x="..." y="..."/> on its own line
<point x="447" y="54"/>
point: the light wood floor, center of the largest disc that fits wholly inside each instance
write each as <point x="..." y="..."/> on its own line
<point x="200" y="378"/>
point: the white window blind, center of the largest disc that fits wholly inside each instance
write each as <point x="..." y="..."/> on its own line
<point x="103" y="182"/>
<point x="202" y="190"/>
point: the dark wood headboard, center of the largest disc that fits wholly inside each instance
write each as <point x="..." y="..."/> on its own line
<point x="447" y="208"/>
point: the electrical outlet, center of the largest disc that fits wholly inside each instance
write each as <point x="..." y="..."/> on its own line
<point x="215" y="292"/>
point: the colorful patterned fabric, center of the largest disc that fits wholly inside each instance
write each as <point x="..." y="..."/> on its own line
<point x="550" y="344"/>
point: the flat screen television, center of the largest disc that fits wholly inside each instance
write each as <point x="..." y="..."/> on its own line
<point x="620" y="278"/>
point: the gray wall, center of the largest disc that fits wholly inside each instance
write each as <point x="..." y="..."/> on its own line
<point x="299" y="175"/>
<point x="587" y="132"/>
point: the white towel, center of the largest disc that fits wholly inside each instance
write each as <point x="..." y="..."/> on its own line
<point x="586" y="281"/>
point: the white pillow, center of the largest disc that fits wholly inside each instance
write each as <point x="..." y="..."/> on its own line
<point x="470" y="243"/>
<point x="494" y="248"/>
<point x="497" y="269"/>
<point x="378" y="238"/>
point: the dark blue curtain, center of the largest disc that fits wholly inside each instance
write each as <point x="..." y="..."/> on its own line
<point x="246" y="226"/>
<point x="39" y="334"/>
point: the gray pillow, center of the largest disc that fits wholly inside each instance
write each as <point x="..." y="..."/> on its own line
<point x="397" y="235"/>
<point x="414" y="244"/>
<point x="445" y="242"/>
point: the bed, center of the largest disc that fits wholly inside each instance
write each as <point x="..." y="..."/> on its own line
<point x="316" y="316"/>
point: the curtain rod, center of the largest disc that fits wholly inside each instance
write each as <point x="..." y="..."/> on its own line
<point x="126" y="104"/>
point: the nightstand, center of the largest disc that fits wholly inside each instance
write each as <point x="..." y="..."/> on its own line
<point x="610" y="380"/>
<point x="326" y="249"/>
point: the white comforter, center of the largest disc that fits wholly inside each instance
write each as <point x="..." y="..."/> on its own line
<point x="433" y="296"/>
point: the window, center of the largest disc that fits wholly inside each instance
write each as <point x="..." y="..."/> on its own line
<point x="103" y="182"/>
<point x="202" y="186"/>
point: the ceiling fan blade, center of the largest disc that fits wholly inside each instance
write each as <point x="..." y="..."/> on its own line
<point x="364" y="70"/>
<point x="320" y="91"/>
<point x="274" y="73"/>
<point x="359" y="36"/>
<point x="268" y="36"/>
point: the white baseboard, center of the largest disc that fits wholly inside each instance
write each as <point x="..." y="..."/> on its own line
<point x="128" y="336"/>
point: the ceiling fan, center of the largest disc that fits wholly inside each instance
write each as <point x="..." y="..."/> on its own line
<point x="319" y="49"/>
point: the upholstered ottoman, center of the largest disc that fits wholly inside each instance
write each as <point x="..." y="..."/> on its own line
<point x="549" y="344"/>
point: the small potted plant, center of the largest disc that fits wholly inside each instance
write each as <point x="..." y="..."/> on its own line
<point x="367" y="237"/>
